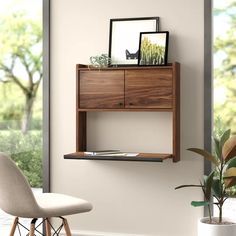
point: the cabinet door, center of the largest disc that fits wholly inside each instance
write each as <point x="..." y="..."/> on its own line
<point x="149" y="88"/>
<point x="101" y="89"/>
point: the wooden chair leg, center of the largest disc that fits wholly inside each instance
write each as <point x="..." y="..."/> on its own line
<point x="13" y="229"/>
<point x="32" y="227"/>
<point x="66" y="227"/>
<point x="48" y="227"/>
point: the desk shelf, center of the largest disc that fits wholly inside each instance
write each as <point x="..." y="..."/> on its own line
<point x="150" y="157"/>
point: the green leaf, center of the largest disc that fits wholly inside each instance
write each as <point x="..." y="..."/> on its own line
<point x="223" y="139"/>
<point x="199" y="203"/>
<point x="217" y="148"/>
<point x="205" y="154"/>
<point x="216" y="186"/>
<point x="231" y="163"/>
<point x="209" y="182"/>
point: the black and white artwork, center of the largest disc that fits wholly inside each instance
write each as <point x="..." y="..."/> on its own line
<point x="124" y="38"/>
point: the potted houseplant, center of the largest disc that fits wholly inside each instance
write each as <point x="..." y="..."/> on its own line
<point x="219" y="185"/>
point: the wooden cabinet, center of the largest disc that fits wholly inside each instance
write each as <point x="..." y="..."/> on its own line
<point x="147" y="89"/>
<point x="127" y="88"/>
<point x="101" y="90"/>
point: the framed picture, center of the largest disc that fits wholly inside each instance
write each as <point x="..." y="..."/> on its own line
<point x="153" y="48"/>
<point x="124" y="38"/>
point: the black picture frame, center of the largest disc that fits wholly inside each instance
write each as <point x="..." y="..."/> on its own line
<point x="124" y="38"/>
<point x="153" y="48"/>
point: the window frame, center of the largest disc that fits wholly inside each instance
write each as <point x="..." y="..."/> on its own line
<point x="46" y="95"/>
<point x="208" y="81"/>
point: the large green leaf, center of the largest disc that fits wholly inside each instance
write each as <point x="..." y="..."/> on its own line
<point x="199" y="203"/>
<point x="231" y="163"/>
<point x="216" y="186"/>
<point x="205" y="154"/>
<point x="223" y="139"/>
<point x="217" y="148"/>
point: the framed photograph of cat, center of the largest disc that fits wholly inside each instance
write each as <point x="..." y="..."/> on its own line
<point x="124" y="39"/>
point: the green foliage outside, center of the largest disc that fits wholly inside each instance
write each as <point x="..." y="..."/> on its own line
<point x="151" y="54"/>
<point x="21" y="59"/>
<point x="26" y="151"/>
<point x="225" y="74"/>
<point x="12" y="108"/>
<point x="21" y="93"/>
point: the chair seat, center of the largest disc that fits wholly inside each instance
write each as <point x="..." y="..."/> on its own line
<point x="54" y="204"/>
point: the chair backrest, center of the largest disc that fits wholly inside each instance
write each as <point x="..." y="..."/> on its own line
<point x="16" y="196"/>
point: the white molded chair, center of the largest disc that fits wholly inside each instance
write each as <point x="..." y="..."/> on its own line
<point x="17" y="199"/>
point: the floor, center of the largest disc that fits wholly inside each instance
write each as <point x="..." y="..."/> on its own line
<point x="6" y="223"/>
<point x="7" y="220"/>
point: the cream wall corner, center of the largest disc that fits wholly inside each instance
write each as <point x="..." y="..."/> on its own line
<point x="128" y="198"/>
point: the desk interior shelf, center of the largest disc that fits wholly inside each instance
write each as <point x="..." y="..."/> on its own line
<point x="151" y="157"/>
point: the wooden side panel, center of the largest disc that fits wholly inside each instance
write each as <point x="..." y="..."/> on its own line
<point x="101" y="89"/>
<point x="81" y="119"/>
<point x="176" y="112"/>
<point x="149" y="88"/>
<point x="81" y="131"/>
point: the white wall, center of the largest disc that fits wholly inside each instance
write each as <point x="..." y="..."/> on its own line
<point x="128" y="197"/>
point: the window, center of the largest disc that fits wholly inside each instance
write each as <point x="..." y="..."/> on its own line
<point x="224" y="75"/>
<point x="24" y="117"/>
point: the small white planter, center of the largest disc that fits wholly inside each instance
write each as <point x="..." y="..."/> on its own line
<point x="205" y="229"/>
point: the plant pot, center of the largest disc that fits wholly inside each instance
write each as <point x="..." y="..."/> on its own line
<point x="206" y="229"/>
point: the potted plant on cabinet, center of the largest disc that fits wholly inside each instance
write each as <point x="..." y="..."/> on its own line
<point x="219" y="185"/>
